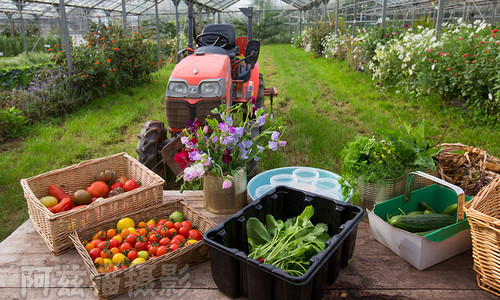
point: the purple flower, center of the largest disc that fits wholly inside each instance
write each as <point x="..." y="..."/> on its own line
<point x="223" y="127"/>
<point x="282" y="143"/>
<point x="229" y="120"/>
<point x="273" y="145"/>
<point x="275" y="136"/>
<point x="184" y="140"/>
<point x="261" y="120"/>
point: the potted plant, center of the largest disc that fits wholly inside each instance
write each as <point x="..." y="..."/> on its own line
<point x="216" y="154"/>
<point x="376" y="167"/>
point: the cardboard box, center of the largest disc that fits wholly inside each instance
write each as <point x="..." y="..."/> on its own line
<point x="423" y="251"/>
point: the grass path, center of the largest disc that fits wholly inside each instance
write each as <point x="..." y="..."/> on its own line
<point x="324" y="104"/>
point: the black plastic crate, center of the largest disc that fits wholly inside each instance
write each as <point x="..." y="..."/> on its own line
<point x="237" y="275"/>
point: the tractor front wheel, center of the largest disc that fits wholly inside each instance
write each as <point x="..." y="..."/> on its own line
<point x="149" y="144"/>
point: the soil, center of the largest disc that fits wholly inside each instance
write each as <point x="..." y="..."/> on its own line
<point x="11" y="144"/>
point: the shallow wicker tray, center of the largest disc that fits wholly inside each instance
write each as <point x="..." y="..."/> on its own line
<point x="108" y="285"/>
<point x="55" y="228"/>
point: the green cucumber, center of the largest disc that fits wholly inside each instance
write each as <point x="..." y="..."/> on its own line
<point x="424" y="206"/>
<point x="450" y="210"/>
<point x="421" y="223"/>
<point x="415" y="212"/>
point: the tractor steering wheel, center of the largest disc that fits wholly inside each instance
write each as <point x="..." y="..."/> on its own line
<point x="220" y="41"/>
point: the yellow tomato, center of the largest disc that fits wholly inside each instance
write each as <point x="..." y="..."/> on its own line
<point x="99" y="261"/>
<point x="125" y="223"/>
<point x="144" y="254"/>
<point x="108" y="261"/>
<point x="119" y="258"/>
<point x="151" y="221"/>
<point x="131" y="230"/>
<point x="136" y="261"/>
<point x="191" y="241"/>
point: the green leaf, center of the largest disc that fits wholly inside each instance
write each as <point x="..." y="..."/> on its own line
<point x="271" y="225"/>
<point x="257" y="232"/>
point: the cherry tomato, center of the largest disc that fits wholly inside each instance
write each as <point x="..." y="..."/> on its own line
<point x="177" y="225"/>
<point x="170" y="224"/>
<point x="161" y="250"/>
<point x="103" y="245"/>
<point x="195" y="234"/>
<point x="178" y="239"/>
<point x="151" y="227"/>
<point x="126" y="246"/>
<point x="130" y="185"/>
<point x="131" y="239"/>
<point x="110" y="233"/>
<point x="140" y="245"/>
<point x="121" y="180"/>
<point x="132" y="255"/>
<point x="173" y="232"/>
<point x="89" y="246"/>
<point x="153" y="238"/>
<point x="101" y="235"/>
<point x="183" y="231"/>
<point x="114" y="243"/>
<point x="161" y="222"/>
<point x="191" y="241"/>
<point x="173" y="247"/>
<point x="98" y="189"/>
<point x="141" y="224"/>
<point x="164" y="241"/>
<point x="187" y="224"/>
<point x="96" y="242"/>
<point x="95" y="253"/>
<point x="152" y="250"/>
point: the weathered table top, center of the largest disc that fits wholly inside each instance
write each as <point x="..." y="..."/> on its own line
<point x="29" y="270"/>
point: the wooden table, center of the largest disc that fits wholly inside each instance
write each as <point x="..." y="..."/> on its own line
<point x="29" y="270"/>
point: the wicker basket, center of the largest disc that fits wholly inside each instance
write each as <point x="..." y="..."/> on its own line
<point x="467" y="167"/>
<point x="483" y="213"/>
<point x="55" y="228"/>
<point x="109" y="285"/>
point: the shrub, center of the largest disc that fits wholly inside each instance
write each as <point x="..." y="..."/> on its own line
<point x="11" y="123"/>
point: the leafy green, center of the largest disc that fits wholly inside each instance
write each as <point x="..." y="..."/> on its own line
<point x="291" y="244"/>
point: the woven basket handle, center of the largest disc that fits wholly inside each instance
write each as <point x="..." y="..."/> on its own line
<point x="458" y="190"/>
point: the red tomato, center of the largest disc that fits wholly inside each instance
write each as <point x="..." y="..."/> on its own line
<point x="95" y="253"/>
<point x="113" y="243"/>
<point x="121" y="180"/>
<point x="187" y="224"/>
<point x="173" y="232"/>
<point x="125" y="246"/>
<point x="153" y="238"/>
<point x="173" y="247"/>
<point x="103" y="245"/>
<point x="161" y="250"/>
<point x="130" y="185"/>
<point x="164" y="241"/>
<point x="151" y="227"/>
<point x="161" y="222"/>
<point x="98" y="189"/>
<point x="178" y="239"/>
<point x="183" y="231"/>
<point x="140" y="245"/>
<point x="132" y="255"/>
<point x="96" y="242"/>
<point x="170" y="224"/>
<point x="115" y="185"/>
<point x="131" y="239"/>
<point x="177" y="225"/>
<point x="152" y="250"/>
<point x="195" y="234"/>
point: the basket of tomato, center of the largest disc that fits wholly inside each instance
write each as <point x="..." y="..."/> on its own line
<point x="146" y="245"/>
<point x="78" y="196"/>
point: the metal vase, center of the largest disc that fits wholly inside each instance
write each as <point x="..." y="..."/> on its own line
<point x="383" y="190"/>
<point x="225" y="201"/>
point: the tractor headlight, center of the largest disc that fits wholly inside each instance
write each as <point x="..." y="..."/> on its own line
<point x="177" y="89"/>
<point x="212" y="88"/>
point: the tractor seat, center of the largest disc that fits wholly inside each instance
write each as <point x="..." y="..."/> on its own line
<point x="226" y="29"/>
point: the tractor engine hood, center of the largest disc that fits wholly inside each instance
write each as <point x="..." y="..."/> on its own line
<point x="195" y="68"/>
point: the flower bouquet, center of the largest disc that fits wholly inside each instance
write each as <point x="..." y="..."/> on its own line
<point x="230" y="140"/>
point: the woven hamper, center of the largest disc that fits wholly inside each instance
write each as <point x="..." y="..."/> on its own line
<point x="55" y="228"/>
<point x="109" y="285"/>
<point x="483" y="213"/>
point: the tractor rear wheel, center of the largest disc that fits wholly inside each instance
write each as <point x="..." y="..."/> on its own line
<point x="149" y="144"/>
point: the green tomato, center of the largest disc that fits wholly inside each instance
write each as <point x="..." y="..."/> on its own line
<point x="144" y="254"/>
<point x="48" y="201"/>
<point x="177" y="216"/>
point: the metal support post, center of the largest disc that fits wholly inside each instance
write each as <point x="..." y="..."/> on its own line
<point x="248" y="11"/>
<point x="190" y="24"/>
<point x="176" y="4"/>
<point x="354" y="18"/>
<point x="337" y="17"/>
<point x="464" y="13"/>
<point x="158" y="47"/>
<point x="384" y="13"/>
<point x="65" y="35"/>
<point x="440" y="16"/>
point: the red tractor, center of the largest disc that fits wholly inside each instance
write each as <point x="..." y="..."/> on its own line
<point x="222" y="69"/>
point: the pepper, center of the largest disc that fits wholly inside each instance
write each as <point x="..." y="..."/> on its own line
<point x="64" y="205"/>
<point x="57" y="192"/>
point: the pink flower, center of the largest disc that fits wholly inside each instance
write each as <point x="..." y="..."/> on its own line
<point x="435" y="60"/>
<point x="493" y="34"/>
<point x="429" y="50"/>
<point x="447" y="53"/>
<point x="465" y="55"/>
<point x="362" y="62"/>
<point x="474" y="61"/>
<point x="405" y="25"/>
<point x="455" y="75"/>
<point x="459" y="39"/>
<point x="226" y="184"/>
<point x="494" y="31"/>
<point x="475" y="35"/>
<point x="441" y="53"/>
<point x="447" y="69"/>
